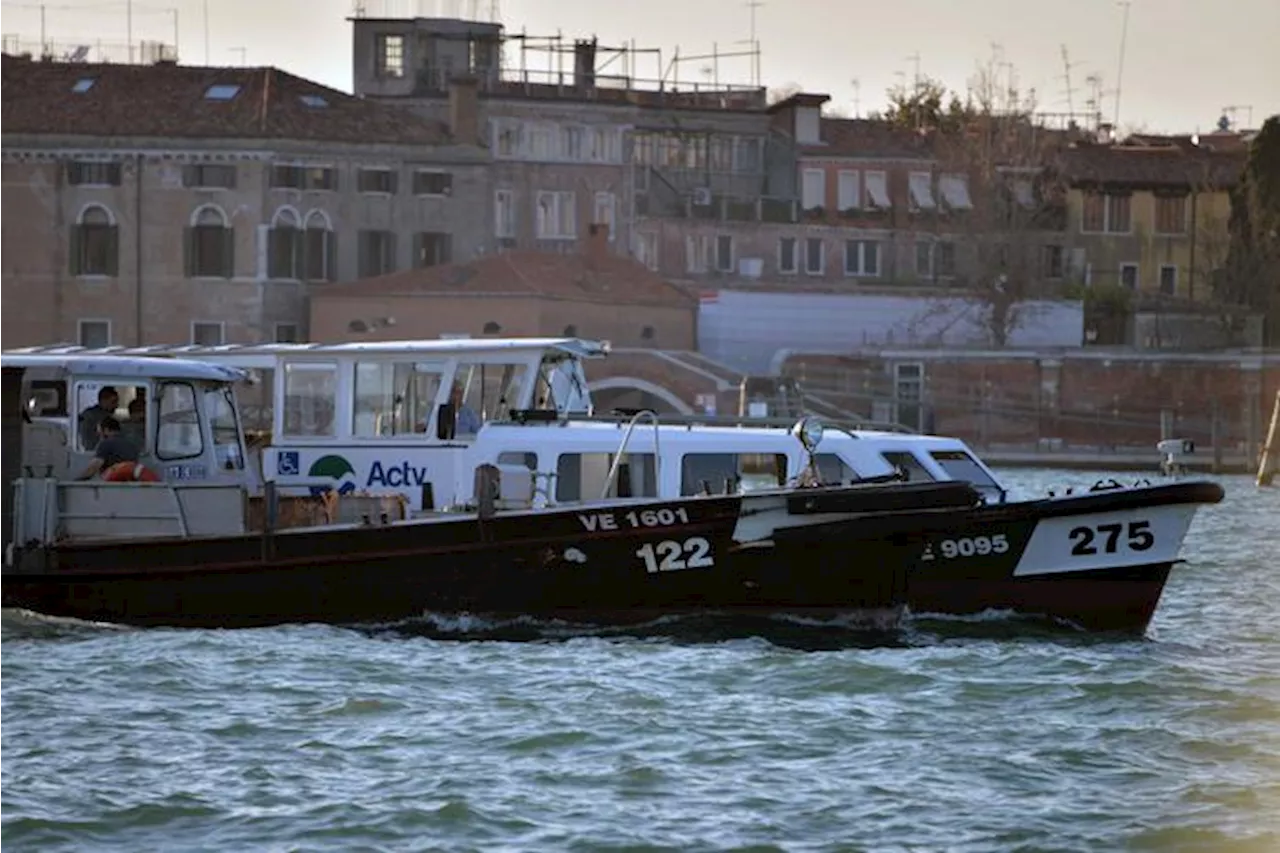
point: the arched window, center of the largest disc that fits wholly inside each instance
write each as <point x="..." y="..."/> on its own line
<point x="284" y="245"/>
<point x="318" y="254"/>
<point x="209" y="245"/>
<point x="95" y="243"/>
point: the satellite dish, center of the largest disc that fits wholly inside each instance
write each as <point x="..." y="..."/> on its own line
<point x="1224" y="123"/>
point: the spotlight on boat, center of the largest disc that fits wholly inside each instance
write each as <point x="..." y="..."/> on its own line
<point x="810" y="430"/>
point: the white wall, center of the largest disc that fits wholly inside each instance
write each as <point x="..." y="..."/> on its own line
<point x="744" y="330"/>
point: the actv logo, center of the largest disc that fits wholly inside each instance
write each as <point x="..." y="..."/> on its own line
<point x="337" y="468"/>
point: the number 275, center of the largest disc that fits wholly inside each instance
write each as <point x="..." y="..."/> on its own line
<point x="1140" y="538"/>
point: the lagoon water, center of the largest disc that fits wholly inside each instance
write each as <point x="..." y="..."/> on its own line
<point x="985" y="734"/>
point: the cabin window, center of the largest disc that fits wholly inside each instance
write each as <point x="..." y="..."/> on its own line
<point x="490" y="391"/>
<point x="581" y="476"/>
<point x="747" y="471"/>
<point x="222" y="423"/>
<point x="833" y="470"/>
<point x="257" y="400"/>
<point x="125" y="403"/>
<point x="916" y="473"/>
<point x="45" y="398"/>
<point x="394" y="398"/>
<point x="560" y="386"/>
<point x="310" y="398"/>
<point x="517" y="457"/>
<point x="178" y="434"/>
<point x="961" y="466"/>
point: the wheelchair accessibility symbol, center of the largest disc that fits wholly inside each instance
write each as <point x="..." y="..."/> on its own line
<point x="287" y="464"/>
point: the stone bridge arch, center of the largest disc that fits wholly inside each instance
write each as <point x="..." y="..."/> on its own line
<point x="630" y="392"/>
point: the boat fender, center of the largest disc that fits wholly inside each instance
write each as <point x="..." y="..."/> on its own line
<point x="130" y="472"/>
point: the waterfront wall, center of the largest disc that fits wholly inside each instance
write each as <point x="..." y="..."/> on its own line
<point x="1082" y="400"/>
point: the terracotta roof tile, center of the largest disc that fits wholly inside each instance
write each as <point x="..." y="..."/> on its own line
<point x="854" y="137"/>
<point x="589" y="278"/>
<point x="169" y="101"/>
<point x="1150" y="166"/>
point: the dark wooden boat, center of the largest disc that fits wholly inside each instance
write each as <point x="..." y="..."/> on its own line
<point x="204" y="547"/>
<point x="620" y="562"/>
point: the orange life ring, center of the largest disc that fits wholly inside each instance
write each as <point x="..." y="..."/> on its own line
<point x="130" y="472"/>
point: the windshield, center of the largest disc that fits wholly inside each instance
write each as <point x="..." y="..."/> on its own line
<point x="222" y="422"/>
<point x="560" y="386"/>
<point x="961" y="466"/>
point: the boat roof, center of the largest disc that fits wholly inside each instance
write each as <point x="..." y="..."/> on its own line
<point x="90" y="364"/>
<point x="579" y="347"/>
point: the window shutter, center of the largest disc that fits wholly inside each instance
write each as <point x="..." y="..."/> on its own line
<point x="393" y="181"/>
<point x="228" y="252"/>
<point x="113" y="251"/>
<point x="330" y="256"/>
<point x="189" y="251"/>
<point x="73" y="250"/>
<point x="418" y="259"/>
<point x="301" y="240"/>
<point x="389" y="262"/>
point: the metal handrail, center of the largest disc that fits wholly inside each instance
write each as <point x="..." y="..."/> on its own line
<point x="744" y="421"/>
<point x="622" y="449"/>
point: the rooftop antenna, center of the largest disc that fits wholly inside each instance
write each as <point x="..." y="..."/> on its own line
<point x="1066" y="76"/>
<point x="1233" y="110"/>
<point x="240" y="50"/>
<point x="752" y="5"/>
<point x="1124" y="35"/>
<point x="206" y="32"/>
<point x="857" y="98"/>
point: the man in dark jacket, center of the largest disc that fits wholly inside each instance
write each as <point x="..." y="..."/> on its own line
<point x="112" y="449"/>
<point x="108" y="400"/>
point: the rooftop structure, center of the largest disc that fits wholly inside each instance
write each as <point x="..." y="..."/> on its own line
<point x="418" y="58"/>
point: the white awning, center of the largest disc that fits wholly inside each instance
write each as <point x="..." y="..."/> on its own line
<point x="922" y="191"/>
<point x="877" y="189"/>
<point x="955" y="192"/>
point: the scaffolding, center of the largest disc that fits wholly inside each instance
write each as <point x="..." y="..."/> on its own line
<point x="63" y="48"/>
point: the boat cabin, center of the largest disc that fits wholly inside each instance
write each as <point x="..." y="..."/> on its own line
<point x="416" y="418"/>
<point x="179" y="416"/>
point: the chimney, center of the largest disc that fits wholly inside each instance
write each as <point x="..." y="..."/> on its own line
<point x="597" y="241"/>
<point x="464" y="110"/>
<point x="584" y="63"/>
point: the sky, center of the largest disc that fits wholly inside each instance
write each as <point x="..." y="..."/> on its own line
<point x="1184" y="60"/>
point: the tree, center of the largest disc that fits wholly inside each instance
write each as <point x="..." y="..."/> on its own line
<point x="989" y="141"/>
<point x="1251" y="276"/>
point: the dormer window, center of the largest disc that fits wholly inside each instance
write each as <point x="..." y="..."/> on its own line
<point x="83" y="85"/>
<point x="808" y="125"/>
<point x="222" y="91"/>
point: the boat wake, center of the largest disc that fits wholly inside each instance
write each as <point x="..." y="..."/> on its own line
<point x="19" y="624"/>
<point x="787" y="630"/>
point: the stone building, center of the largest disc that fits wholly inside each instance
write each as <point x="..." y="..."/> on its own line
<point x="592" y="143"/>
<point x="172" y="204"/>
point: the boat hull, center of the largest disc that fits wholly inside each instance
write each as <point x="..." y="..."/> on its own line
<point x="590" y="565"/>
<point x="1097" y="560"/>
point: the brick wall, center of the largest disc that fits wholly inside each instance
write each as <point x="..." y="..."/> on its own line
<point x="1076" y="399"/>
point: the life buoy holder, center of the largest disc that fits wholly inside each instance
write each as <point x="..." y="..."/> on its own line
<point x="130" y="472"/>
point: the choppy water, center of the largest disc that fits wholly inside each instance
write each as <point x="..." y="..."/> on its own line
<point x="964" y="735"/>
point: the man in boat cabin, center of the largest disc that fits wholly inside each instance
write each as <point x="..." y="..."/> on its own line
<point x="466" y="422"/>
<point x="90" y="418"/>
<point x="112" y="449"/>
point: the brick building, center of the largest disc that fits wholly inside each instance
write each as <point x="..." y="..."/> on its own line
<point x="167" y="203"/>
<point x="594" y="143"/>
<point x="591" y="293"/>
